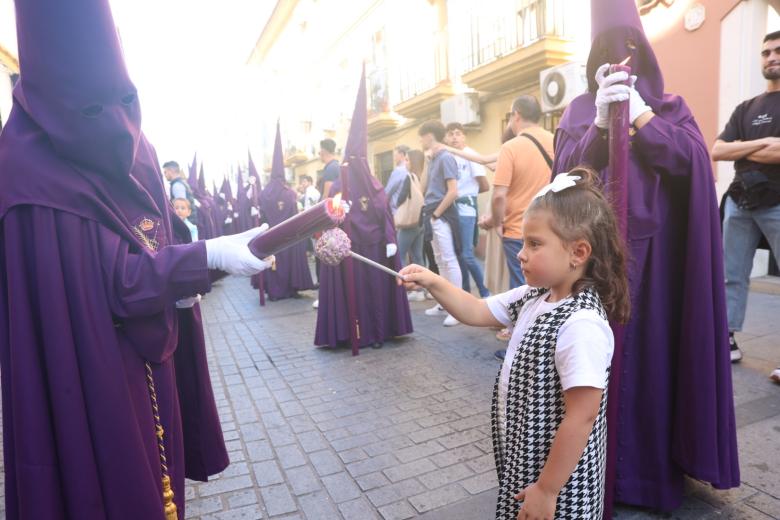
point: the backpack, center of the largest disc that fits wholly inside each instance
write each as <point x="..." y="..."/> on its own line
<point x="410" y="203"/>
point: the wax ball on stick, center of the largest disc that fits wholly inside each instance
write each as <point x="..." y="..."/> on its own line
<point x="333" y="246"/>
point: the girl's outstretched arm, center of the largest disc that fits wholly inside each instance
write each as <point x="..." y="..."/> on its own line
<point x="463" y="306"/>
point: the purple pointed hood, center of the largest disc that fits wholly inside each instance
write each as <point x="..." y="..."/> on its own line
<point x="253" y="174"/>
<point x="74" y="84"/>
<point x="192" y="175"/>
<point x="278" y="201"/>
<point x="276" y="184"/>
<point x="366" y="194"/>
<point x="202" y="181"/>
<point x="617" y="33"/>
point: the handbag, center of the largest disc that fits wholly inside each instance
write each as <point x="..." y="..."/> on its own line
<point x="408" y="213"/>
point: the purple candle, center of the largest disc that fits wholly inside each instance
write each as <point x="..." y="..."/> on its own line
<point x="618" y="153"/>
<point x="325" y="215"/>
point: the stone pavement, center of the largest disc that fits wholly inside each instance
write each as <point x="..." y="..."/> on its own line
<point x="403" y="432"/>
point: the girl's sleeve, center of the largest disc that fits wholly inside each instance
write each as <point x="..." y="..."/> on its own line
<point x="500" y="304"/>
<point x="583" y="353"/>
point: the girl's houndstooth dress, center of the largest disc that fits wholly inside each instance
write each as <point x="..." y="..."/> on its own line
<point x="534" y="411"/>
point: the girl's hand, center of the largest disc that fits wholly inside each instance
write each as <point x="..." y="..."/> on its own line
<point x="416" y="277"/>
<point x="538" y="504"/>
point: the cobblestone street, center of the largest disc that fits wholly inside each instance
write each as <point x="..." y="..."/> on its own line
<point x="403" y="432"/>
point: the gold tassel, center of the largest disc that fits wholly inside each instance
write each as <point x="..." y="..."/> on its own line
<point x="168" y="504"/>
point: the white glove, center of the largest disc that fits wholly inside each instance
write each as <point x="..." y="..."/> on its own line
<point x="197" y="203"/>
<point x="235" y="215"/>
<point x="636" y="105"/>
<point x="231" y="253"/>
<point x="610" y="91"/>
<point x="222" y="195"/>
<point x="254" y="212"/>
<point x="346" y="205"/>
<point x="391" y="250"/>
<point x="228" y="220"/>
<point x="186" y="303"/>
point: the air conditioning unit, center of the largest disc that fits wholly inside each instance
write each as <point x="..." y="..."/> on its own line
<point x="461" y="108"/>
<point x="560" y="85"/>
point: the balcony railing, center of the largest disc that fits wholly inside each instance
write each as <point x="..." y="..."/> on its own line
<point x="513" y="24"/>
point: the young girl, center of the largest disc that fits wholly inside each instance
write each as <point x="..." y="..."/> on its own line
<point x="184" y="210"/>
<point x="549" y="403"/>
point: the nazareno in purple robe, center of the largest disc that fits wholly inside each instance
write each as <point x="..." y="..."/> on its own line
<point x="671" y="408"/>
<point x="205" y="210"/>
<point x="89" y="277"/>
<point x="228" y="208"/>
<point x="278" y="202"/>
<point x="255" y="188"/>
<point x="382" y="306"/>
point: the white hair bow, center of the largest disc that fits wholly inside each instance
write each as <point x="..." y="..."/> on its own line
<point x="561" y="182"/>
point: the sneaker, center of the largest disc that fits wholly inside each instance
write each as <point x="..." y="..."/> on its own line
<point x="436" y="310"/>
<point x="449" y="321"/>
<point x="736" y="354"/>
<point x="500" y="354"/>
<point x="503" y="335"/>
<point x="415" y="296"/>
<point x="775" y="375"/>
<point x="316" y="304"/>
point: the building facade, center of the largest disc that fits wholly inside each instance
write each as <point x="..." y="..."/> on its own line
<point x="464" y="60"/>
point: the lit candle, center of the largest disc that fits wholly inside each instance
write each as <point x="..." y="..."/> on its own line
<point x="617" y="176"/>
<point x="325" y="215"/>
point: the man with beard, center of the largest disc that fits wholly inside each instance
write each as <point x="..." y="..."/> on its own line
<point x="751" y="139"/>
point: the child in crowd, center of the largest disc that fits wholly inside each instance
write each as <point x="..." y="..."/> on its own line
<point x="183" y="210"/>
<point x="549" y="403"/>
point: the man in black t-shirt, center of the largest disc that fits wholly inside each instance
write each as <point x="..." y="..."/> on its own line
<point x="752" y="140"/>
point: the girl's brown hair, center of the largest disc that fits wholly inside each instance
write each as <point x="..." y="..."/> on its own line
<point x="583" y="212"/>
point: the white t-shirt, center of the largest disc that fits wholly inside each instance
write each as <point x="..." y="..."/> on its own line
<point x="467" y="182"/>
<point x="583" y="352"/>
<point x="310" y="197"/>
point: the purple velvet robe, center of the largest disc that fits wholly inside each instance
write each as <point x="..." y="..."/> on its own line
<point x="382" y="306"/>
<point x="671" y="408"/>
<point x="89" y="277"/>
<point x="278" y="202"/>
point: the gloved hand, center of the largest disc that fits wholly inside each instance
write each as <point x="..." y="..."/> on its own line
<point x="346" y="206"/>
<point x="235" y="214"/>
<point x="231" y="253"/>
<point x="197" y="203"/>
<point x="391" y="250"/>
<point x="636" y="105"/>
<point x="610" y="91"/>
<point x="254" y="212"/>
<point x="228" y="220"/>
<point x="186" y="303"/>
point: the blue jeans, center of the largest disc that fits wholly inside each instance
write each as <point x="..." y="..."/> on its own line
<point x="468" y="262"/>
<point x="512" y="247"/>
<point x="742" y="230"/>
<point x="410" y="242"/>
